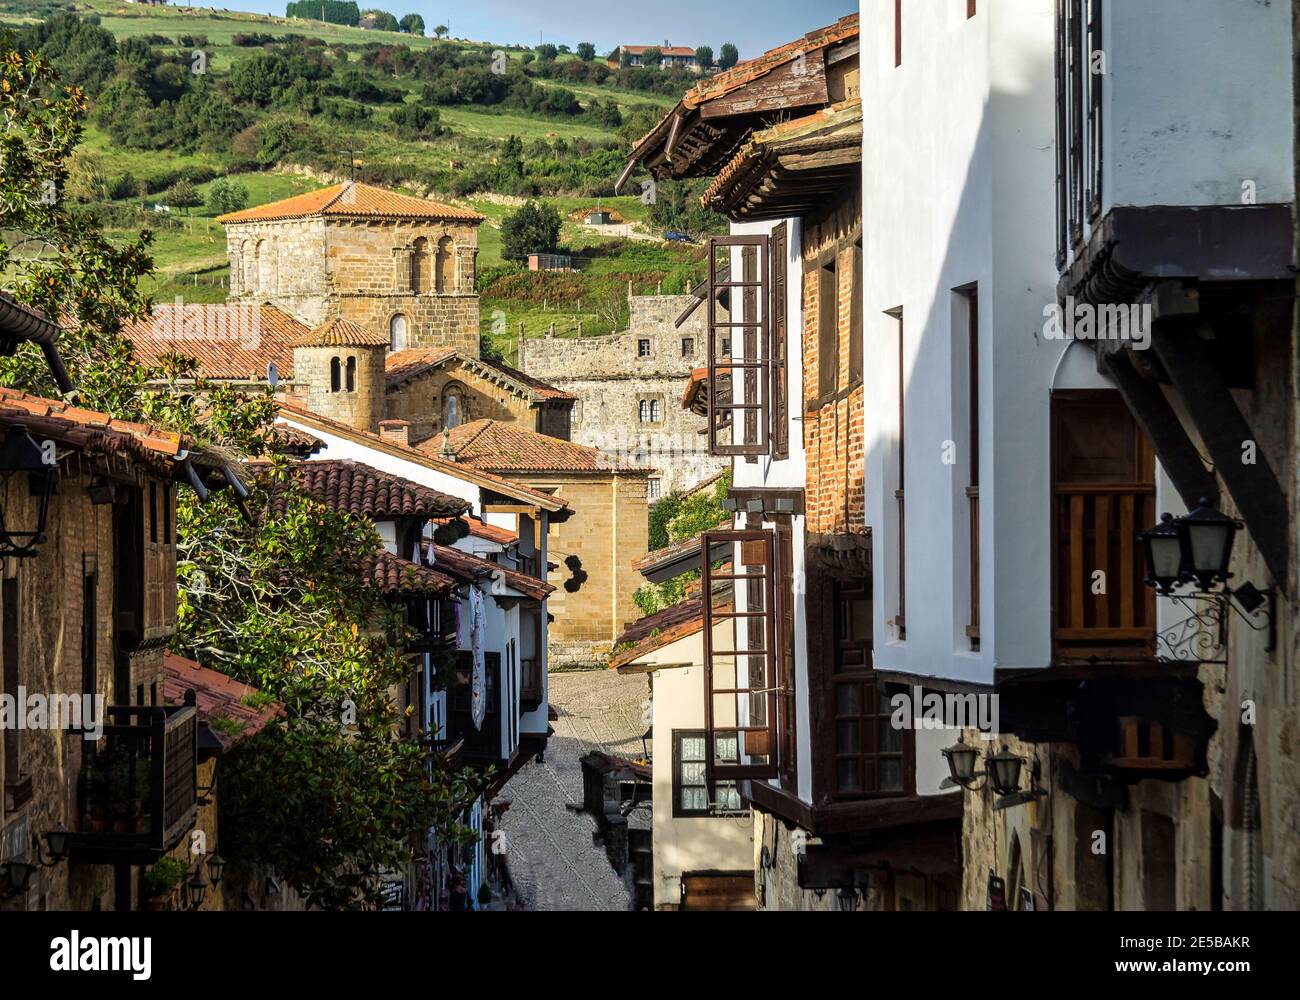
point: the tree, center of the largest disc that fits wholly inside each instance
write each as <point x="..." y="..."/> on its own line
<point x="413" y="24"/>
<point x="546" y="52"/>
<point x="728" y="57"/>
<point x="226" y="195"/>
<point x="675" y="518"/>
<point x="330" y="11"/>
<point x="586" y="51"/>
<point x="275" y="600"/>
<point x="440" y="30"/>
<point x="652" y="57"/>
<point x="182" y="194"/>
<point x="382" y="20"/>
<point x="532" y="228"/>
<point x="86" y="178"/>
<point x="704" y="57"/>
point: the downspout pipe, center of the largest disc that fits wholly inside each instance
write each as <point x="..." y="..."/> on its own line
<point x="18" y="323"/>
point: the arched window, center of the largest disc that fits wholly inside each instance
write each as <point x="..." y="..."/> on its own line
<point x="334" y="374"/>
<point x="446" y="266"/>
<point x="352" y="374"/>
<point x="248" y="261"/>
<point x="419" y="263"/>
<point x="265" y="267"/>
<point x="397" y="333"/>
<point x="453" y="408"/>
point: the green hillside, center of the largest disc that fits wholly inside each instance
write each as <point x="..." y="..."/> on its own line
<point x="185" y="99"/>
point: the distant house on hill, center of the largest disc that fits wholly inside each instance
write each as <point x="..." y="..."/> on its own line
<point x="669" y="55"/>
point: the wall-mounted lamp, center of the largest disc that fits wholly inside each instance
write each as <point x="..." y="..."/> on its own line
<point x="56" y="844"/>
<point x="15" y="877"/>
<point x="1194" y="551"/>
<point x="21" y="457"/>
<point x="195" y="888"/>
<point x="216" y="865"/>
<point x="1001" y="770"/>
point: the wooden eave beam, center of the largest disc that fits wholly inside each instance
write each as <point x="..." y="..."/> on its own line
<point x="1223" y="428"/>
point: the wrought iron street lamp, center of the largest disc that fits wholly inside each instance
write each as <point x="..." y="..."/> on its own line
<point x="1206" y="537"/>
<point x="962" y="758"/>
<point x="22" y="458"/>
<point x="1164" y="551"/>
<point x="196" y="887"/>
<point x="56" y="843"/>
<point x="1003" y="770"/>
<point x="847" y="898"/>
<point x="216" y="865"/>
<point x="15" y="877"/>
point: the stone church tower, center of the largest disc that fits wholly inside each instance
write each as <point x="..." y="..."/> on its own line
<point x="402" y="268"/>
<point x="341" y="366"/>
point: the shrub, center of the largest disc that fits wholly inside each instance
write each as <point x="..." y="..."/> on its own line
<point x="226" y="195"/>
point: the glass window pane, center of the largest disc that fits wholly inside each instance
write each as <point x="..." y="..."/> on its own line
<point x="847" y="700"/>
<point x="848" y="776"/>
<point x="727" y="749"/>
<point x="728" y="798"/>
<point x="692" y="774"/>
<point x="694" y="800"/>
<point x="846" y="737"/>
<point x="891" y="775"/>
<point x="891" y="739"/>
<point x="692" y="748"/>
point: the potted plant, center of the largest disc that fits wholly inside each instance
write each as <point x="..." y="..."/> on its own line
<point x="160" y="882"/>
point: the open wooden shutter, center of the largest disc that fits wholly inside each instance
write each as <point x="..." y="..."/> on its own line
<point x="740" y="685"/>
<point x="740" y="346"/>
<point x="780" y="352"/>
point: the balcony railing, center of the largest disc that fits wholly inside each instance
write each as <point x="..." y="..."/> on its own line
<point x="1102" y="608"/>
<point x="138" y="791"/>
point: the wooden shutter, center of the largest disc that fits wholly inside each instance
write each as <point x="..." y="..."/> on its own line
<point x="740" y="687"/>
<point x="787" y="742"/>
<point x="159" y="562"/>
<point x="739" y="399"/>
<point x="780" y="346"/>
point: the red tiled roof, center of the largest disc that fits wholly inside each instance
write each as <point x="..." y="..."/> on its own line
<point x="339" y="332"/>
<point x="217" y="696"/>
<point x="472" y="568"/>
<point x="225" y="338"/>
<point x="392" y="574"/>
<point x="359" y="489"/>
<point x="427" y="457"/>
<point x="89" y="430"/>
<point x="506" y="448"/>
<point x="294" y="441"/>
<point x="352" y="200"/>
<point x="405" y="365"/>
<point x="481" y="529"/>
<point x="661" y="629"/>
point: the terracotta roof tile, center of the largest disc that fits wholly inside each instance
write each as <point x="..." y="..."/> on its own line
<point x="217" y="696"/>
<point x="471" y="568"/>
<point x="352" y="200"/>
<point x="671" y="50"/>
<point x="340" y="332"/>
<point x="664" y="627"/>
<point x="481" y="529"/>
<point x="89" y="430"/>
<point x="401" y="366"/>
<point x="359" y="489"/>
<point x="427" y="457"/>
<point x="294" y="441"/>
<point x="505" y="448"/>
<point x="392" y="574"/>
<point x="229" y="340"/>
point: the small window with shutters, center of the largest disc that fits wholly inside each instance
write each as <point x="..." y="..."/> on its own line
<point x="780" y="346"/>
<point x="740" y="378"/>
<point x="740" y="664"/>
<point x="160" y="562"/>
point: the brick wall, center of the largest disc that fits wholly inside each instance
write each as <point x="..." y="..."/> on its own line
<point x="834" y="429"/>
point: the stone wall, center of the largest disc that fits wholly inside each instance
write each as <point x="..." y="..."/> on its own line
<point x="50" y="606"/>
<point x="368" y="271"/>
<point x="611" y="378"/>
<point x="361" y="407"/>
<point x="607" y="531"/>
<point x="421" y="400"/>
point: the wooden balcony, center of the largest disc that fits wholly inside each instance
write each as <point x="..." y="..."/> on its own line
<point x="1101" y="607"/>
<point x="137" y="795"/>
<point x="530" y="683"/>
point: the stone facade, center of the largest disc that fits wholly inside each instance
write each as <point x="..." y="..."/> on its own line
<point x="356" y="397"/>
<point x="650" y="363"/>
<point x="410" y="280"/>
<point x="50" y="587"/>
<point x="608" y="529"/>
<point x="423" y="400"/>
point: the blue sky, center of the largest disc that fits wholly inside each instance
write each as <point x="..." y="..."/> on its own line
<point x="753" y="26"/>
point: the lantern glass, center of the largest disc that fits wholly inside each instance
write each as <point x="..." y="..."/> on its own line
<point x="57" y="842"/>
<point x="1165" y="554"/>
<point x="961" y="762"/>
<point x="1004" y="772"/>
<point x="22" y="458"/>
<point x="1206" y="536"/>
<point x="848" y="899"/>
<point x="216" y="865"/>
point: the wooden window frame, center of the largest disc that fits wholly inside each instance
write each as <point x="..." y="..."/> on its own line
<point x="1096" y="139"/>
<point x="642" y="342"/>
<point x="756" y="367"/>
<point x="787" y="745"/>
<point x="828" y="329"/>
<point x="1078" y="78"/>
<point x="900" y="620"/>
<point x="764" y="542"/>
<point x="688" y="347"/>
<point x="1062" y="138"/>
<point x="710" y="788"/>
<point x="971" y="9"/>
<point x="973" y="468"/>
<point x="898" y="33"/>
<point x="855" y="315"/>
<point x="780" y="394"/>
<point x="336" y="374"/>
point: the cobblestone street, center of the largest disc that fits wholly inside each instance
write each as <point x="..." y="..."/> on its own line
<point x="553" y="862"/>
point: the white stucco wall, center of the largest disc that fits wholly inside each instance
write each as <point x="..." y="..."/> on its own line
<point x="724" y="843"/>
<point x="1197" y="99"/>
<point x="959" y="189"/>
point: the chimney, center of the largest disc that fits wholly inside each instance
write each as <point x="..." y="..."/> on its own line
<point x="396" y="432"/>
